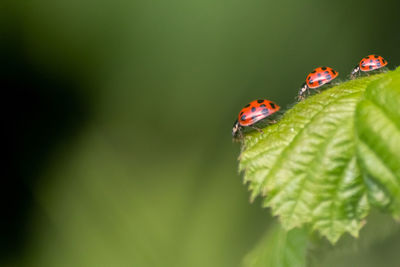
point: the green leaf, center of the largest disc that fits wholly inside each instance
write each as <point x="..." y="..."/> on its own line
<point x="279" y="248"/>
<point x="377" y="121"/>
<point x="378" y="234"/>
<point x="306" y="167"/>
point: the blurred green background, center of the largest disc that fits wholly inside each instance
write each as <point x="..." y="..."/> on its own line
<point x="119" y="116"/>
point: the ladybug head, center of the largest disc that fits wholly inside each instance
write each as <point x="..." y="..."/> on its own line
<point x="354" y="72"/>
<point x="302" y="91"/>
<point x="236" y="129"/>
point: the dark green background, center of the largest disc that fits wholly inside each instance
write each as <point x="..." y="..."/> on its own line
<point x="120" y="114"/>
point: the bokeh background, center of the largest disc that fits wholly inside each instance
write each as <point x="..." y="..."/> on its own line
<point x="118" y="116"/>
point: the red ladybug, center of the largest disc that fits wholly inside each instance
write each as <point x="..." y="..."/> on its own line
<point x="369" y="63"/>
<point x="252" y="113"/>
<point x="317" y="78"/>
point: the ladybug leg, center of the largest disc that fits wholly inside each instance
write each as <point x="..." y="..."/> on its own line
<point x="258" y="129"/>
<point x="238" y="137"/>
<point x="303" y="96"/>
<point x="382" y="70"/>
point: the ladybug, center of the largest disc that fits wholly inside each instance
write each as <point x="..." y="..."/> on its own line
<point x="369" y="63"/>
<point x="316" y="79"/>
<point x="252" y="113"/>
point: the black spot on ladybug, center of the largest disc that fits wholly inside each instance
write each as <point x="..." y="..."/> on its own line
<point x="314" y="71"/>
<point x="253" y="109"/>
<point x="319" y="82"/>
<point x="265" y="111"/>
<point x="323" y="68"/>
<point x="309" y="77"/>
<point x="254" y="118"/>
<point x="334" y="72"/>
<point x="272" y="105"/>
<point x="241" y="113"/>
<point x="248" y="105"/>
<point x="326" y="72"/>
<point x="370" y="67"/>
<point x="328" y="77"/>
<point x="260" y="101"/>
<point x="243" y="118"/>
<point x="263" y="106"/>
<point x="375" y="56"/>
<point x="319" y="74"/>
<point x="311" y="82"/>
<point x="370" y="61"/>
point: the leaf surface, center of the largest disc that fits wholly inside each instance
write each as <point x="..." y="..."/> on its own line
<point x="279" y="248"/>
<point x="377" y="121"/>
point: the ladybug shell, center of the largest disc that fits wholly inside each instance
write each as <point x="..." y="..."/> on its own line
<point x="321" y="76"/>
<point x="372" y="62"/>
<point x="256" y="111"/>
